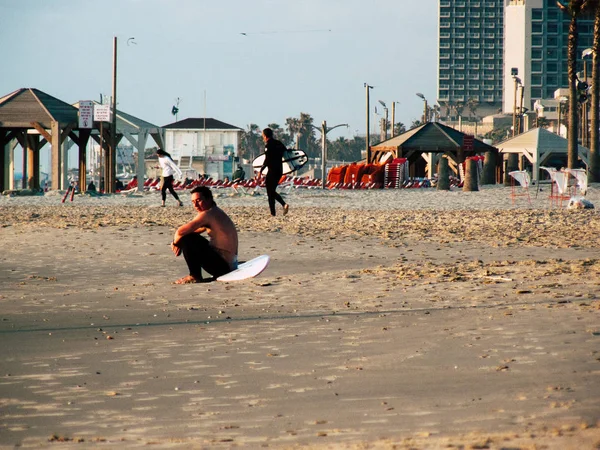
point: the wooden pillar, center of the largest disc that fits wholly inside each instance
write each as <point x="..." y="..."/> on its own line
<point x="4" y="149"/>
<point x="512" y="163"/>
<point x="471" y="182"/>
<point x="141" y="164"/>
<point x="489" y="167"/>
<point x="84" y="136"/>
<point x="443" y="183"/>
<point x="56" y="156"/>
<point x="33" y="161"/>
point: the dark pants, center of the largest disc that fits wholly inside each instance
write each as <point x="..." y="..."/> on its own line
<point x="200" y="255"/>
<point x="271" y="183"/>
<point x="168" y="184"/>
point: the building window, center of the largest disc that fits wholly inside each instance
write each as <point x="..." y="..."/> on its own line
<point x="536" y="66"/>
<point x="537" y="27"/>
<point x="552" y="67"/>
<point x="536" y="53"/>
<point x="536" y="93"/>
<point x="537" y="14"/>
<point x="552" y="80"/>
<point x="552" y="27"/>
<point x="536" y="80"/>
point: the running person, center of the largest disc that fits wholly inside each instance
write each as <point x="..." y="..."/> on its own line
<point x="169" y="168"/>
<point x="274" y="163"/>
<point x="217" y="256"/>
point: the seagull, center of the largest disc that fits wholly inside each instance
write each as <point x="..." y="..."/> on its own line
<point x="132" y="41"/>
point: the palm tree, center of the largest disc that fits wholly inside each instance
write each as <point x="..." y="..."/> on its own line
<point x="251" y="142"/>
<point x="574" y="9"/>
<point x="594" y="167"/>
<point x="293" y="126"/>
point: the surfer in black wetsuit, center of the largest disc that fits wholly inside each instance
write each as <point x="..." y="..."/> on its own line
<point x="274" y="163"/>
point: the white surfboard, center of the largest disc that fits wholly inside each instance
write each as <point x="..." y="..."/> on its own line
<point x="292" y="160"/>
<point x="248" y="269"/>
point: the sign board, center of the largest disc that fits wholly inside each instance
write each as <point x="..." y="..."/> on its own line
<point x="102" y="113"/>
<point x="468" y="142"/>
<point x="86" y="113"/>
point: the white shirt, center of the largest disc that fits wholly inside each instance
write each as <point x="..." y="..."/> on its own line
<point x="169" y="167"/>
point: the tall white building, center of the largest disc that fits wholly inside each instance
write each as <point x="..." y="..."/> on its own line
<point x="535" y="44"/>
<point x="481" y="41"/>
<point x="470" y="55"/>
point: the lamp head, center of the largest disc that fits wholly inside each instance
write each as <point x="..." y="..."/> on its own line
<point x="382" y="104"/>
<point x="587" y="52"/>
<point x="420" y="95"/>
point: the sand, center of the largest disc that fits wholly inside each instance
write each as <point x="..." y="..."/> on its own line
<point x="387" y="319"/>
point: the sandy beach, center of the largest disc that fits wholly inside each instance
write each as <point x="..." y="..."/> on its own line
<point x="409" y="318"/>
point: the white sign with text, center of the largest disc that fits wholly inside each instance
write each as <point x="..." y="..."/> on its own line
<point x="102" y="113"/>
<point x="86" y="113"/>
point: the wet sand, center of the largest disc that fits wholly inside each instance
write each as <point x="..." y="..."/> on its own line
<point x="386" y="319"/>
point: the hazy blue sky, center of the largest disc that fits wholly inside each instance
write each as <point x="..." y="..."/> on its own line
<point x="297" y="56"/>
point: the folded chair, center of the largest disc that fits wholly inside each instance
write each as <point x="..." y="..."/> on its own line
<point x="524" y="180"/>
<point x="582" y="180"/>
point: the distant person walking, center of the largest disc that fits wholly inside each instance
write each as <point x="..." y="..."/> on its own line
<point x="169" y="168"/>
<point x="274" y="163"/>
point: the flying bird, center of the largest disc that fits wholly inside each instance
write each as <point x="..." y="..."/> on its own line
<point x="287" y="32"/>
<point x="131" y="39"/>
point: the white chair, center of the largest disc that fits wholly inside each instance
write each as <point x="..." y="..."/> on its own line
<point x="524" y="180"/>
<point x="582" y="180"/>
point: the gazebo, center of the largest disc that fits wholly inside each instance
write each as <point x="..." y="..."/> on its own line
<point x="32" y="119"/>
<point x="426" y="143"/>
<point x="538" y="146"/>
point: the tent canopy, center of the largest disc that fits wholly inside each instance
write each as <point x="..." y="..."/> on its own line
<point x="428" y="142"/>
<point x="538" y="146"/>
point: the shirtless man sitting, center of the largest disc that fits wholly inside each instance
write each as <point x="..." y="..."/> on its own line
<point x="217" y="256"/>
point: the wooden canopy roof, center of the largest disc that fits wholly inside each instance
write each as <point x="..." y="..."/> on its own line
<point x="25" y="106"/>
<point x="433" y="137"/>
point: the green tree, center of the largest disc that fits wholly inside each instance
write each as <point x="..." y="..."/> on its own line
<point x="498" y="134"/>
<point x="573" y="8"/>
<point x="399" y="128"/>
<point x="343" y="149"/>
<point x="303" y="128"/>
<point x="252" y="144"/>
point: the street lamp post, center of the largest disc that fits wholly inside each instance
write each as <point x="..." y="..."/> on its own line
<point x="394" y="118"/>
<point x="425" y="110"/>
<point x="517" y="83"/>
<point x="368" y="137"/>
<point x="324" y="130"/>
<point x="385" y="123"/>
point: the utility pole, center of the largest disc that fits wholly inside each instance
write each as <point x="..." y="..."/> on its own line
<point x="384" y="133"/>
<point x="515" y="106"/>
<point x="109" y="181"/>
<point x="394" y="118"/>
<point x="324" y="130"/>
<point x="368" y="137"/>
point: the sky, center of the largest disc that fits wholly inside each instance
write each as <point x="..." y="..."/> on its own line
<point x="238" y="61"/>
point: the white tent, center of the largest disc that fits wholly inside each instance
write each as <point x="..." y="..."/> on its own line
<point x="537" y="145"/>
